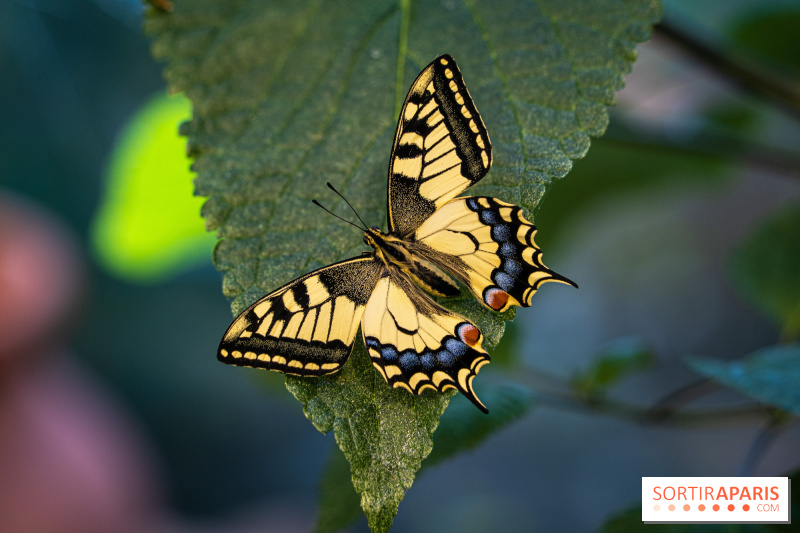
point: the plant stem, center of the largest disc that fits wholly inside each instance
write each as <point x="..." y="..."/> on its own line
<point x="778" y="422"/>
<point x="554" y="392"/>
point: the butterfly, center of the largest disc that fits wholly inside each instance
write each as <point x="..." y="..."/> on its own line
<point x="435" y="240"/>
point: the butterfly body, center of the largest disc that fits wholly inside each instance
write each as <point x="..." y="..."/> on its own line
<point x="395" y="252"/>
<point x="436" y="240"/>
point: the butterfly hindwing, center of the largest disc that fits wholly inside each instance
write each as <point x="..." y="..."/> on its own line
<point x="416" y="344"/>
<point x="440" y="149"/>
<point x="306" y="327"/>
<point x="489" y="245"/>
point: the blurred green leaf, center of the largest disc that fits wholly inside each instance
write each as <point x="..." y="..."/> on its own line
<point x="463" y="427"/>
<point x="148" y="226"/>
<point x="772" y="36"/>
<point x="289" y="95"/>
<point x="615" y="362"/>
<point x="766" y="269"/>
<point x="615" y="167"/>
<point x="338" y="503"/>
<point x="770" y="375"/>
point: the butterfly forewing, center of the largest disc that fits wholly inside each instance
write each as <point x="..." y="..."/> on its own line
<point x="440" y="149"/>
<point x="306" y="327"/>
<point x="489" y="245"/>
<point x="416" y="344"/>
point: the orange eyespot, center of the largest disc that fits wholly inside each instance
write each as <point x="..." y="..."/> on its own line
<point x="469" y="334"/>
<point x="496" y="299"/>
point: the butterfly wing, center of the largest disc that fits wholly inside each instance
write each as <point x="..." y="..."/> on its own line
<point x="441" y="147"/>
<point x="416" y="344"/>
<point x="306" y="327"/>
<point x="487" y="244"/>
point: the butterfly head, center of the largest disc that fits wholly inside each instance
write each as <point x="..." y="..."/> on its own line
<point x="388" y="248"/>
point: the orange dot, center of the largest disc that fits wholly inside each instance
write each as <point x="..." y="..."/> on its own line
<point x="701" y="507"/>
<point x="656" y="507"/>
<point x="469" y="334"/>
<point x="496" y="298"/>
<point x="731" y="507"/>
<point x="671" y="507"/>
<point x="746" y="507"/>
<point x="686" y="507"/>
<point x="716" y="507"/>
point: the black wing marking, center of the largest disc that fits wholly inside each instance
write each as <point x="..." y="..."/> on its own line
<point x="308" y="326"/>
<point x="441" y="147"/>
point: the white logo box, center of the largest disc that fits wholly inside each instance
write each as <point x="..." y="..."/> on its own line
<point x="738" y="500"/>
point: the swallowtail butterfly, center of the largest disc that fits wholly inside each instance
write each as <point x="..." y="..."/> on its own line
<point x="435" y="239"/>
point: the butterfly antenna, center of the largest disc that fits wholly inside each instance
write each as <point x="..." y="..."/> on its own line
<point x="337" y="216"/>
<point x="348" y="203"/>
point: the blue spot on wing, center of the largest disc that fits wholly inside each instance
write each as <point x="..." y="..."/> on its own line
<point x="445" y="358"/>
<point x="501" y="232"/>
<point x="504" y="281"/>
<point x="488" y="217"/>
<point x="513" y="267"/>
<point x="508" y="249"/>
<point x="409" y="360"/>
<point x="389" y="354"/>
<point x="428" y="360"/>
<point x="455" y="347"/>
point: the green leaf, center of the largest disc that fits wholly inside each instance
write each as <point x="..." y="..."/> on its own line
<point x="385" y="433"/>
<point x="147" y="226"/>
<point x="771" y="35"/>
<point x="289" y="95"/>
<point x="766" y="269"/>
<point x="770" y="375"/>
<point x="615" y="362"/>
<point x="463" y="427"/>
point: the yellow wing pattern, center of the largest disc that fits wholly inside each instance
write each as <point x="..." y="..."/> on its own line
<point x="441" y="146"/>
<point x="306" y="327"/>
<point x="416" y="344"/>
<point x="489" y="245"/>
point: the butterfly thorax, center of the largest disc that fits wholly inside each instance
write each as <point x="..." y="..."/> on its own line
<point x="398" y="254"/>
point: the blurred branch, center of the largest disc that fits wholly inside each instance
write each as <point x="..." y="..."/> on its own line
<point x="682" y="397"/>
<point x="627" y="129"/>
<point x="552" y="391"/>
<point x="778" y="423"/>
<point x="749" y="79"/>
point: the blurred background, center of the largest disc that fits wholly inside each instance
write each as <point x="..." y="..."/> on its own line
<point x="116" y="416"/>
